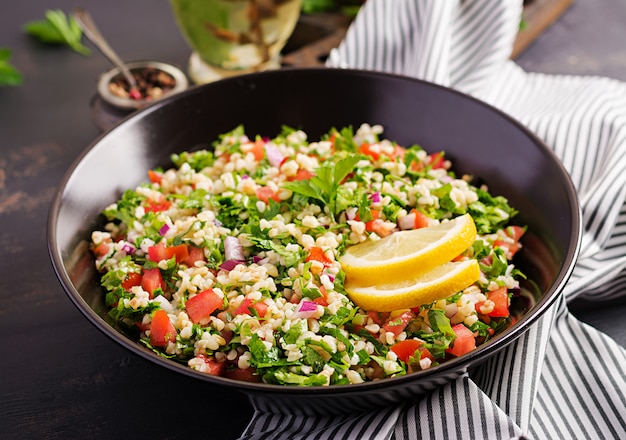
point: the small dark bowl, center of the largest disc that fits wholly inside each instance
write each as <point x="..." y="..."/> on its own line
<point x="479" y="140"/>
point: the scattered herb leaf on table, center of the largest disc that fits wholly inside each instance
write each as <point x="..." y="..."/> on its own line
<point x="57" y="28"/>
<point x="9" y="75"/>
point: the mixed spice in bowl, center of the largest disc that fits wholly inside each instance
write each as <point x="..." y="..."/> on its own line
<point x="155" y="80"/>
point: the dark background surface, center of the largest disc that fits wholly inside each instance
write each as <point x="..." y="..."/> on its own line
<point x="61" y="378"/>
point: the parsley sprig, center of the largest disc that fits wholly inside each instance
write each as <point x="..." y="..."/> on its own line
<point x="325" y="186"/>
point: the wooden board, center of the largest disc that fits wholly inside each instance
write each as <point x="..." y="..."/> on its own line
<point x="538" y="16"/>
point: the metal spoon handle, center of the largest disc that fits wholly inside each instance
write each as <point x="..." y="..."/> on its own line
<point x="84" y="20"/>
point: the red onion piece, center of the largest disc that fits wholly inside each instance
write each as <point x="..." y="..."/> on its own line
<point x="274" y="156"/>
<point x="233" y="249"/>
<point x="164" y="229"/>
<point x="375" y="197"/>
<point x="128" y="248"/>
<point x="305" y="310"/>
<point x="229" y="265"/>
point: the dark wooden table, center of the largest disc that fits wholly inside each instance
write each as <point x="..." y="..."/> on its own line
<point x="60" y="378"/>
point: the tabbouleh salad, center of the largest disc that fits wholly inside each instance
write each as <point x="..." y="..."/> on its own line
<point x="228" y="262"/>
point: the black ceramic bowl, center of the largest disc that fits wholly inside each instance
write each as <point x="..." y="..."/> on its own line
<point x="479" y="140"/>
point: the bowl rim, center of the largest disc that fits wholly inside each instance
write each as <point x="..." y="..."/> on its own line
<point x="548" y="299"/>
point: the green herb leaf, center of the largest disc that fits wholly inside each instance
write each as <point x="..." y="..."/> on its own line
<point x="313" y="359"/>
<point x="197" y="160"/>
<point x="57" y="28"/>
<point x="9" y="75"/>
<point x="292" y="335"/>
<point x="282" y="376"/>
<point x="262" y="356"/>
<point x="325" y="185"/>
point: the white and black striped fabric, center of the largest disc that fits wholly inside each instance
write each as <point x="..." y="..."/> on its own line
<point x="563" y="379"/>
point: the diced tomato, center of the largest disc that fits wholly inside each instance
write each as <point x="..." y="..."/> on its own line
<point x="509" y="248"/>
<point x="247" y="305"/>
<point x="515" y="232"/>
<point x="258" y="150"/>
<point x="378" y="227"/>
<point x="411" y="351"/>
<point x="181" y="252"/>
<point x="316" y="253"/>
<point x="265" y="193"/>
<point x="301" y="174"/>
<point x="154" y="206"/>
<point x="460" y="257"/>
<point x="425" y="353"/>
<point x="322" y="300"/>
<point x="367" y="150"/>
<point x="162" y="330"/>
<point x="215" y="368"/>
<point x="152" y="280"/>
<point x="464" y="342"/>
<point x="160" y="252"/>
<point x="405" y="349"/>
<point x="261" y="308"/>
<point x="349" y="177"/>
<point x="157" y="252"/>
<point x="331" y="139"/>
<point x="421" y="219"/>
<point x="374" y="214"/>
<point x="155" y="176"/>
<point x="416" y="166"/>
<point x="436" y="160"/>
<point x="500" y="298"/>
<point x="398" y="323"/>
<point x="378" y="317"/>
<point x="195" y="254"/>
<point x="102" y="249"/>
<point x="132" y="279"/>
<point x="398" y="152"/>
<point x="247" y="374"/>
<point x="376" y="224"/>
<point x="202" y="305"/>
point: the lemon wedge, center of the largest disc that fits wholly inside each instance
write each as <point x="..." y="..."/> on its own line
<point x="407" y="254"/>
<point x="441" y="282"/>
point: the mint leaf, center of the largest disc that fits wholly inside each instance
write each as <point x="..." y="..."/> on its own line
<point x="57" y="28"/>
<point x="9" y="75"/>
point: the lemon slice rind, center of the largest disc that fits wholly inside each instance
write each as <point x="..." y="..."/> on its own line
<point x="407" y="254"/>
<point x="441" y="282"/>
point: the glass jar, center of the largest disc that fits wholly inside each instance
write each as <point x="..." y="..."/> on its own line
<point x="230" y="37"/>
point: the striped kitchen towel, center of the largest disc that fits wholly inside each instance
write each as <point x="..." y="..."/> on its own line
<point x="562" y="379"/>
